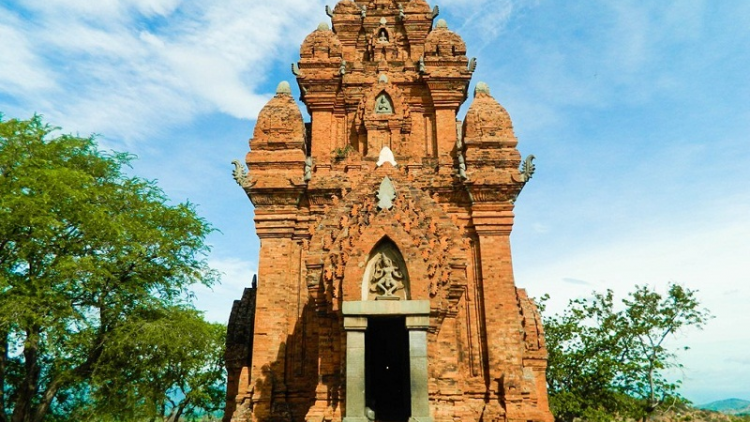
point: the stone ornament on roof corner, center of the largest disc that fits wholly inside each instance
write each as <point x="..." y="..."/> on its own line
<point x="527" y="170"/>
<point x="239" y="174"/>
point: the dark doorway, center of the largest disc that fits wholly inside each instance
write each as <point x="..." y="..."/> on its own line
<point x="387" y="381"/>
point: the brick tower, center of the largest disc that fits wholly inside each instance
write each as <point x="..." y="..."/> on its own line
<point x="385" y="284"/>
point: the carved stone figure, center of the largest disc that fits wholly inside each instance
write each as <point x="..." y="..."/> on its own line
<point x="383" y="105"/>
<point x="308" y="169"/>
<point x="386" y="279"/>
<point x="461" y="166"/>
<point x="342" y="68"/>
<point x="383" y="36"/>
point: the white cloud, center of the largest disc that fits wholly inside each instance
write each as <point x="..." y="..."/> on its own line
<point x="103" y="67"/>
<point x="21" y="71"/>
<point x="486" y="19"/>
<point x="102" y="10"/>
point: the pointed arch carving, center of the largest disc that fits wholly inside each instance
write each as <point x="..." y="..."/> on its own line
<point x="386" y="274"/>
<point x="366" y="110"/>
<point x="383" y="104"/>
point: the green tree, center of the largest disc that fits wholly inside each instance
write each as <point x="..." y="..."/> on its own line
<point x="605" y="362"/>
<point x="180" y="374"/>
<point x="89" y="258"/>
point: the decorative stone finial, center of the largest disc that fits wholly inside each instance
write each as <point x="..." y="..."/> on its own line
<point x="386" y="194"/>
<point x="386" y="156"/>
<point x="482" y="88"/>
<point x="441" y="23"/>
<point x="323" y="27"/>
<point x="239" y="174"/>
<point x="528" y="168"/>
<point x="284" y="88"/>
<point x="383" y="21"/>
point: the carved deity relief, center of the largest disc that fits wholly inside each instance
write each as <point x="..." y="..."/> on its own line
<point x="383" y="36"/>
<point x="383" y="104"/>
<point x="386" y="277"/>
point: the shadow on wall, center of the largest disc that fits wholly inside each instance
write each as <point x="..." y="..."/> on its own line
<point x="285" y="390"/>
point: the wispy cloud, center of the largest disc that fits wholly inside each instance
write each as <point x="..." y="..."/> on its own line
<point x="130" y="69"/>
<point x="22" y="72"/>
<point x="482" y="20"/>
<point x="576" y="281"/>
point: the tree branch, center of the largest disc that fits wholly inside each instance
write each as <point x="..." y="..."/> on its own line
<point x="83" y="370"/>
<point x="28" y="388"/>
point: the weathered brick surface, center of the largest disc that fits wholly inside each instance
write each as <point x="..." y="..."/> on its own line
<point x="319" y="223"/>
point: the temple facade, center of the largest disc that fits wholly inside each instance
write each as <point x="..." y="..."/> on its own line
<point x="385" y="287"/>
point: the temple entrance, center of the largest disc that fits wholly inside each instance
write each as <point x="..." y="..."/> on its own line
<point x="387" y="368"/>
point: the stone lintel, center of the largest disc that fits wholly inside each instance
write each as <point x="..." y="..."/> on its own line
<point x="355" y="323"/>
<point x="394" y="307"/>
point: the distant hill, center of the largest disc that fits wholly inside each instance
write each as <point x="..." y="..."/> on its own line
<point x="729" y="406"/>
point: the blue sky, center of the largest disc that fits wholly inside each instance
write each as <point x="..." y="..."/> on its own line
<point x="638" y="113"/>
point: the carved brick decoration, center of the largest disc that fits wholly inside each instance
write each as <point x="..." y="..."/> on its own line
<point x="350" y="243"/>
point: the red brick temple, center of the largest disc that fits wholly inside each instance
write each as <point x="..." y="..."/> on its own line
<point x="385" y="287"/>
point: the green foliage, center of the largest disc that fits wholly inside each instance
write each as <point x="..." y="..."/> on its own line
<point x="605" y="363"/>
<point x="341" y="153"/>
<point x="95" y="268"/>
